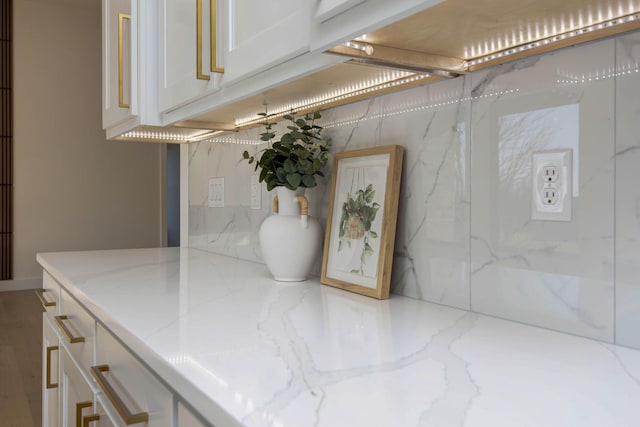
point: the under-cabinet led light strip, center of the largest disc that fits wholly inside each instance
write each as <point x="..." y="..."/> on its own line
<point x="396" y="79"/>
<point x="553" y="39"/>
<point x="168" y="135"/>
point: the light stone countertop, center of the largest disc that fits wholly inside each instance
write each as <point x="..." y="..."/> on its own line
<point x="243" y="349"/>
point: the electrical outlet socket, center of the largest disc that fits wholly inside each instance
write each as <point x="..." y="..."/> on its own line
<point x="550" y="173"/>
<point x="552" y="185"/>
<point x="550" y="196"/>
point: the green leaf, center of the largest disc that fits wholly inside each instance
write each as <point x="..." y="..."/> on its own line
<point x="339" y="245"/>
<point x="370" y="196"/>
<point x="245" y="155"/>
<point x="294" y="180"/>
<point x="373" y="234"/>
<point x="263" y="174"/>
<point x="355" y="271"/>
<point x="316" y="115"/>
<point x="301" y="123"/>
<point x="287" y="139"/>
<point x="308" y="181"/>
<point x="289" y="166"/>
<point x="287" y="117"/>
<point x="368" y="250"/>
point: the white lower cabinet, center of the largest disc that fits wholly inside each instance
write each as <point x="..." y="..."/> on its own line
<point x="131" y="388"/>
<point x="186" y="418"/>
<point x="89" y="379"/>
<point x="76" y="395"/>
<point x="50" y="377"/>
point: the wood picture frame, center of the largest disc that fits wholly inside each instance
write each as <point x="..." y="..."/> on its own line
<point x="361" y="222"/>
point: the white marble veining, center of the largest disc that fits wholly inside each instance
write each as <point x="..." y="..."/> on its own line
<point x="244" y="349"/>
<point x="553" y="274"/>
<point x="465" y="237"/>
<point x="628" y="191"/>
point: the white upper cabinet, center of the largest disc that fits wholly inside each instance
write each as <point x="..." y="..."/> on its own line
<point x="336" y="21"/>
<point x="188" y="40"/>
<point x="118" y="50"/>
<point x="262" y="34"/>
<point x="129" y="70"/>
<point x="243" y="37"/>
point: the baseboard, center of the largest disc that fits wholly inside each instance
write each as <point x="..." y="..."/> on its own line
<point x="21" y="284"/>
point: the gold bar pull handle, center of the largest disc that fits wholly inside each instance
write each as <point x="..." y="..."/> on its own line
<point x="50" y="384"/>
<point x="121" y="18"/>
<point x="89" y="419"/>
<point x="116" y="401"/>
<point x="199" y="74"/>
<point x="214" y="31"/>
<point x="45" y="303"/>
<point x="65" y="330"/>
<point x="79" y="407"/>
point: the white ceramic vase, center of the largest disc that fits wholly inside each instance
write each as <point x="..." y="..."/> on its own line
<point x="290" y="239"/>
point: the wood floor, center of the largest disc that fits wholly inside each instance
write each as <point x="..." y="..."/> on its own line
<point x="20" y="359"/>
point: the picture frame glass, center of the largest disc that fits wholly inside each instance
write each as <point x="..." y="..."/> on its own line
<point x="358" y="213"/>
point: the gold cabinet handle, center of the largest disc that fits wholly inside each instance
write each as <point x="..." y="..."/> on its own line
<point x="50" y="384"/>
<point x="213" y="27"/>
<point x="214" y="32"/>
<point x="67" y="333"/>
<point x="79" y="407"/>
<point x="45" y="303"/>
<point x="199" y="74"/>
<point x="121" y="18"/>
<point x="123" y="411"/>
<point x="89" y="419"/>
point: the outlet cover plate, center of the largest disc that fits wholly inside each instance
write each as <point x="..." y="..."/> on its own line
<point x="256" y="193"/>
<point x="216" y="192"/>
<point x="561" y="162"/>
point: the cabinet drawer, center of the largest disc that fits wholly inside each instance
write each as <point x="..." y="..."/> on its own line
<point x="186" y="418"/>
<point x="77" y="328"/>
<point x="49" y="295"/>
<point x="131" y="389"/>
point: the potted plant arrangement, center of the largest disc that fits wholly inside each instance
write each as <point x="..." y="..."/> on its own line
<point x="290" y="240"/>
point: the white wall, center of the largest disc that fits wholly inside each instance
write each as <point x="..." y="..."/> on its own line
<point x="73" y="189"/>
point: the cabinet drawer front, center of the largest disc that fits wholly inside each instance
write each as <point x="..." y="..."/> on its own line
<point x="76" y="396"/>
<point x="49" y="295"/>
<point x="186" y="418"/>
<point x="77" y="328"/>
<point x="137" y="389"/>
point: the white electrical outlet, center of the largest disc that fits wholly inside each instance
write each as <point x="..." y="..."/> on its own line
<point x="551" y="186"/>
<point x="216" y="192"/>
<point x="256" y="194"/>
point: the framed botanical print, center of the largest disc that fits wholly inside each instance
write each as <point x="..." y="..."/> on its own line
<point x="361" y="224"/>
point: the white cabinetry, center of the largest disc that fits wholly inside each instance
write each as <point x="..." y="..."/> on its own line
<point x="187" y="42"/>
<point x="119" y="374"/>
<point x="76" y="396"/>
<point x="129" y="75"/>
<point x="336" y="21"/>
<point x="91" y="379"/>
<point x="50" y="377"/>
<point x="243" y="37"/>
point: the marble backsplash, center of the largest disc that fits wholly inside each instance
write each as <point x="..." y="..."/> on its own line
<point x="465" y="237"/>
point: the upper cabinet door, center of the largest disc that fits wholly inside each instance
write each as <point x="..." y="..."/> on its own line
<point x="262" y="34"/>
<point x="119" y="64"/>
<point x="188" y="39"/>
<point x="205" y="45"/>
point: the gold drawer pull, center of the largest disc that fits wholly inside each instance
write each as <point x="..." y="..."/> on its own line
<point x="89" y="419"/>
<point x="123" y="411"/>
<point x="45" y="303"/>
<point x="67" y="333"/>
<point x="48" y="373"/>
<point x="79" y="407"/>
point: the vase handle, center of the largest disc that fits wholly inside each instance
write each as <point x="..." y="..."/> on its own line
<point x="275" y="204"/>
<point x="304" y="210"/>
